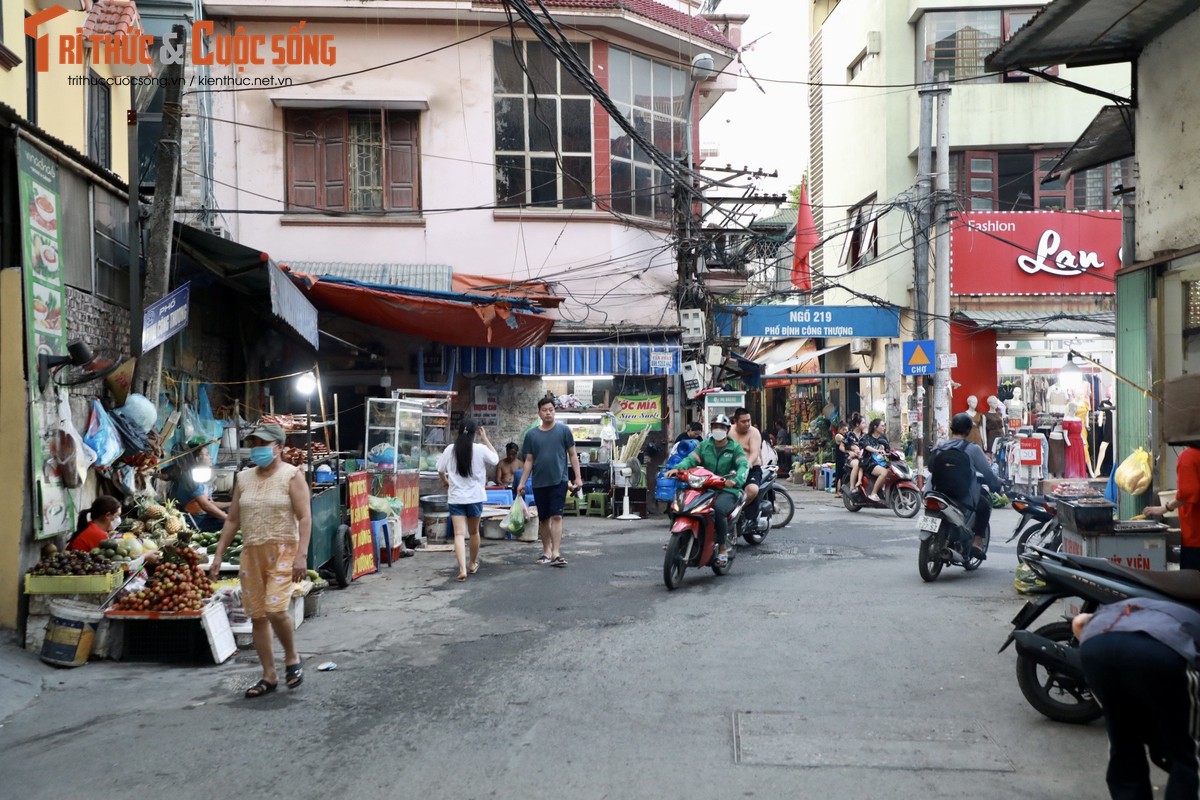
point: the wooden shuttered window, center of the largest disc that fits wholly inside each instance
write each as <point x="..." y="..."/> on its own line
<point x="323" y="175"/>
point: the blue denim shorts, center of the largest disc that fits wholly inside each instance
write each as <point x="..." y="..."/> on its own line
<point x="465" y="509"/>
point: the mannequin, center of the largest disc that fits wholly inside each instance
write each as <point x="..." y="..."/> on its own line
<point x="977" y="434"/>
<point x="1016" y="406"/>
<point x="994" y="419"/>
<point x="1056" y="399"/>
<point x="1076" y="466"/>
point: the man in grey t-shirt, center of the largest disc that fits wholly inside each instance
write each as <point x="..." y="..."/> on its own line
<point x="547" y="450"/>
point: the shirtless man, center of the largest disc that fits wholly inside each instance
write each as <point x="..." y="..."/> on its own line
<point x="507" y="468"/>
<point x="750" y="439"/>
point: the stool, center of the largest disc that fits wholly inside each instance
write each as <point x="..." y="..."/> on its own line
<point x="826" y="479"/>
<point x="573" y="505"/>
<point x="597" y="504"/>
<point x="380" y="529"/>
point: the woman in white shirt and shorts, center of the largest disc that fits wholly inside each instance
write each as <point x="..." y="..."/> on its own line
<point x="463" y="467"/>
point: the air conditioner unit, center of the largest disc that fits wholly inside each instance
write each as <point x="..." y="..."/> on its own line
<point x="862" y="347"/>
<point x="692" y="322"/>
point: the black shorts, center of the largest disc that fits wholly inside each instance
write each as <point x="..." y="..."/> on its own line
<point x="754" y="476"/>
<point x="550" y="500"/>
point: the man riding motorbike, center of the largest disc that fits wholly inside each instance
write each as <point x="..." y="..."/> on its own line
<point x="960" y="427"/>
<point x="722" y="456"/>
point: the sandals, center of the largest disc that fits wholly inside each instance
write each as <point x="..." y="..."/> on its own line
<point x="261" y="688"/>
<point x="461" y="577"/>
<point x="558" y="561"/>
<point x="294" y="674"/>
<point x="543" y="559"/>
<point x="474" y="568"/>
<point x="722" y="559"/>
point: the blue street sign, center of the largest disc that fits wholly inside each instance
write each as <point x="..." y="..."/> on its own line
<point x="165" y="317"/>
<point x="917" y="357"/>
<point x="821" y="321"/>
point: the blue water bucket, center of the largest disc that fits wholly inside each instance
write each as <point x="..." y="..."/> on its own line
<point x="664" y="488"/>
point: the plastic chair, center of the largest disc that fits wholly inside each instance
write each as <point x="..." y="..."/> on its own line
<point x="827" y="478"/>
<point x="597" y="504"/>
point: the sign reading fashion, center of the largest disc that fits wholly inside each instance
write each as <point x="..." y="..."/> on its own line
<point x="1035" y="252"/>
<point x="820" y="321"/>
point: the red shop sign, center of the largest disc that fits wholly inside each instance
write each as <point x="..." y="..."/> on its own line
<point x="1029" y="451"/>
<point x="1035" y="252"/>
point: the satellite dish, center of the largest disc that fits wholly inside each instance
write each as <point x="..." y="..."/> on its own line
<point x="628" y="475"/>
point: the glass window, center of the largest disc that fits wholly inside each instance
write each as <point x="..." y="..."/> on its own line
<point x="657" y="109"/>
<point x="956" y="42"/>
<point x="111" y="246"/>
<point x="99" y="111"/>
<point x="543" y="133"/>
<point x="366" y="162"/>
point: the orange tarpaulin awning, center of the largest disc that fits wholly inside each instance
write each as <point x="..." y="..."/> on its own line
<point x="466" y="318"/>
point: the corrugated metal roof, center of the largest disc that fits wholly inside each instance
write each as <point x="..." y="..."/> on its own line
<point x="1108" y="138"/>
<point x="1086" y="32"/>
<point x="432" y="277"/>
<point x="1101" y="322"/>
<point x="783" y="218"/>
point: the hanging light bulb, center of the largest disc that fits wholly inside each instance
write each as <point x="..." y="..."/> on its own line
<point x="1070" y="376"/>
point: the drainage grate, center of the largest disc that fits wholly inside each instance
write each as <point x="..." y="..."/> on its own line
<point x="787" y="739"/>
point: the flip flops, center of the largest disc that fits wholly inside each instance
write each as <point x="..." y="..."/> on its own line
<point x="474" y="568"/>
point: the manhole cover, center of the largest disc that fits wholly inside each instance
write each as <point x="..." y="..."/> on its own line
<point x="806" y="552"/>
<point x="785" y="739"/>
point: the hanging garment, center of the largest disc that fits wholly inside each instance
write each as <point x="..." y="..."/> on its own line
<point x="994" y="425"/>
<point x="1076" y="464"/>
<point x="976" y="434"/>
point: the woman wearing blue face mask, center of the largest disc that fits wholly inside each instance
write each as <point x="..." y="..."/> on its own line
<point x="271" y="506"/>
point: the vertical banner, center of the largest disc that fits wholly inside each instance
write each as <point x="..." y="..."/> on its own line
<point x="358" y="488"/>
<point x="45" y="333"/>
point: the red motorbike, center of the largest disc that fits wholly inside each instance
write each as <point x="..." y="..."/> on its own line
<point x="899" y="492"/>
<point x="693" y="526"/>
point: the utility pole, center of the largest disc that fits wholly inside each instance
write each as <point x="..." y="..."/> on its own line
<point x="941" y="281"/>
<point x="162" y="213"/>
<point x="921" y="254"/>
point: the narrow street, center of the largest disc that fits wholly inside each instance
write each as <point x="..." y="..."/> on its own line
<point x="820" y="667"/>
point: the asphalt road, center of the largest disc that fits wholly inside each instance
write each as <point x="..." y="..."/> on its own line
<point x="820" y="667"/>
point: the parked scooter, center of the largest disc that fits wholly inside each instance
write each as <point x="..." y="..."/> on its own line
<point x="899" y="491"/>
<point x="693" y="540"/>
<point x="775" y="508"/>
<point x="1038" y="526"/>
<point x="1049" y="670"/>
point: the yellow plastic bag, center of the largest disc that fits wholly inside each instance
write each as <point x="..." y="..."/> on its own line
<point x="1134" y="475"/>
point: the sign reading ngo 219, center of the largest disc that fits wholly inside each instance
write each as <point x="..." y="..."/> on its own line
<point x="1035" y="252"/>
<point x="208" y="47"/>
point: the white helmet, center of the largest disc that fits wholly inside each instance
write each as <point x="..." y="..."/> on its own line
<point x="721" y="419"/>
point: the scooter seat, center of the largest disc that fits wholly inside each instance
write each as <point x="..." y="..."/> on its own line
<point x="1183" y="584"/>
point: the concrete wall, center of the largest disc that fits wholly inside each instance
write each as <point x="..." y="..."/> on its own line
<point x="14" y="440"/>
<point x="1168" y="123"/>
<point x="457" y="172"/>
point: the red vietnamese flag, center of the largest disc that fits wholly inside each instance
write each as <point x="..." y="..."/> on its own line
<point x="807" y="239"/>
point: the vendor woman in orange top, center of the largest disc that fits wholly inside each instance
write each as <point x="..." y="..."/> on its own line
<point x="105" y="516"/>
<point x="271" y="506"/>
<point x="1187" y="500"/>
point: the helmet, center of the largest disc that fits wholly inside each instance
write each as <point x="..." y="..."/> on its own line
<point x="721" y="419"/>
<point x="961" y="423"/>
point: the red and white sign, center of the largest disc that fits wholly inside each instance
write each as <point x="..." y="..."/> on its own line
<point x="1029" y="452"/>
<point x="1035" y="252"/>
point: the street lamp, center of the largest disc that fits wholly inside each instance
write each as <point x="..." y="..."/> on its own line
<point x="702" y="70"/>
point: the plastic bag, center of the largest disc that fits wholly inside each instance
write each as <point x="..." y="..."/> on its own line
<point x="73" y="456"/>
<point x="1135" y="473"/>
<point x="515" y="521"/>
<point x="102" y="436"/>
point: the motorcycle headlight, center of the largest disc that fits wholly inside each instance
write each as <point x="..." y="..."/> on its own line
<point x="696" y="481"/>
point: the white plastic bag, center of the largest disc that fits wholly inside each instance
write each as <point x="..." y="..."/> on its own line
<point x="73" y="456"/>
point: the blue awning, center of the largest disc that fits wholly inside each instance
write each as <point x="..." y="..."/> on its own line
<point x="580" y="360"/>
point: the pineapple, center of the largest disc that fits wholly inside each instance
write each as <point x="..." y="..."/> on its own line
<point x="174" y="526"/>
<point x="152" y="511"/>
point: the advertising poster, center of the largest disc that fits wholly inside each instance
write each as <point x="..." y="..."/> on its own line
<point x="45" y="332"/>
<point x="641" y="412"/>
<point x="358" y="486"/>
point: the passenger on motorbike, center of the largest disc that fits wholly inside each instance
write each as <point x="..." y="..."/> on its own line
<point x="972" y="497"/>
<point x="720" y="455"/>
<point x="876" y="448"/>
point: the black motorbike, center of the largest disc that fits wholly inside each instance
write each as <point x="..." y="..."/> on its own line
<point x="946" y="537"/>
<point x="775" y="508"/>
<point x="1038" y="525"/>
<point x="1049" y="670"/>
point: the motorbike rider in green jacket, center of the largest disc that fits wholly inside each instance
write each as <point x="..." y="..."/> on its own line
<point x="721" y="456"/>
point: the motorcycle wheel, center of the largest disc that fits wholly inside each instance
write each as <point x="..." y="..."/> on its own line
<point x="905" y="502"/>
<point x="976" y="563"/>
<point x="848" y="501"/>
<point x="929" y="558"/>
<point x="674" y="562"/>
<point x="785" y="509"/>
<point x="752" y="535"/>
<point x="1058" y="697"/>
<point x="1039" y="536"/>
